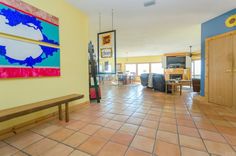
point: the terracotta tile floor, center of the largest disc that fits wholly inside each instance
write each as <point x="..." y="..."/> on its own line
<point x="133" y="121"/>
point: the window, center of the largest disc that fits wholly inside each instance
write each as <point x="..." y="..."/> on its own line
<point x="196" y="69"/>
<point x="118" y="67"/>
<point x="143" y="68"/>
<point x="108" y="69"/>
<point x="157" y="68"/>
<point x="131" y="68"/>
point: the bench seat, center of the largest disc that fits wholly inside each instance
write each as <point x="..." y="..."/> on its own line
<point x="11" y="113"/>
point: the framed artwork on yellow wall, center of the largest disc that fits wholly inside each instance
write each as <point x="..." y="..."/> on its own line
<point x="106" y="39"/>
<point x="107" y="52"/>
<point x="29" y="41"/>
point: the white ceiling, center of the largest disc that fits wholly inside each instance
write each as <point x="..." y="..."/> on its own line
<point x="169" y="26"/>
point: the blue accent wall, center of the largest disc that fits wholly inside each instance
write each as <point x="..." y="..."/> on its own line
<point x="213" y="27"/>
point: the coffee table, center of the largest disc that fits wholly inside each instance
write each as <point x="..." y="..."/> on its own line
<point x="174" y="86"/>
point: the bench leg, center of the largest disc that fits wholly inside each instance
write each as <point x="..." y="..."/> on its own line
<point x="60" y="112"/>
<point x="67" y="112"/>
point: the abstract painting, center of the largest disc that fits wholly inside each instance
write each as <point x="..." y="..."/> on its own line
<point x="29" y="41"/>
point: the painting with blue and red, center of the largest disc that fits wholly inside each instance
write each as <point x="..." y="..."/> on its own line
<point x="32" y="50"/>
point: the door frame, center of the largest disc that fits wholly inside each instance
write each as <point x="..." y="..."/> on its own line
<point x="207" y="59"/>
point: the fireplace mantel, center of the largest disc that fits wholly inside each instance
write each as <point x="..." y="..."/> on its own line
<point x="186" y="74"/>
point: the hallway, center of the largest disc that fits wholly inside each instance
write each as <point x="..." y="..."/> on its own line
<point x="132" y="121"/>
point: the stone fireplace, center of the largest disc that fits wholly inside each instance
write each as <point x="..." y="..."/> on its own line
<point x="176" y="76"/>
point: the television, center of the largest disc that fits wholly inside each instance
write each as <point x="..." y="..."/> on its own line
<point x="176" y="62"/>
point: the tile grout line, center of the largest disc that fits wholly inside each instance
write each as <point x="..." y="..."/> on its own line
<point x="197" y="129"/>
<point x="117" y="130"/>
<point x="155" y="141"/>
<point x="134" y="134"/>
<point x="177" y="126"/>
<point x="220" y="135"/>
<point x="22" y="150"/>
<point x="218" y="132"/>
<point x="58" y="142"/>
<point x="113" y="129"/>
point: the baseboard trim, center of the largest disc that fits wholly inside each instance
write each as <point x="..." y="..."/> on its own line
<point x="32" y="123"/>
<point x="203" y="100"/>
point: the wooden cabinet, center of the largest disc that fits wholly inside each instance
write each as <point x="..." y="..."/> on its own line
<point x="221" y="65"/>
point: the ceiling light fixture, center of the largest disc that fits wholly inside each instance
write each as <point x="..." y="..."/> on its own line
<point x="149" y="3"/>
<point x="190" y="52"/>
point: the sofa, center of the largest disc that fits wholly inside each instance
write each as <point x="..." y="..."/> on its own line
<point x="144" y="79"/>
<point x="158" y="81"/>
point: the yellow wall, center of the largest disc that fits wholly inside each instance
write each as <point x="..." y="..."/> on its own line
<point x="74" y="65"/>
<point x="148" y="59"/>
<point x="144" y="59"/>
<point x="196" y="56"/>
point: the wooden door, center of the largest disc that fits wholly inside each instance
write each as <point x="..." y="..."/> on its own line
<point x="234" y="69"/>
<point x="220" y="53"/>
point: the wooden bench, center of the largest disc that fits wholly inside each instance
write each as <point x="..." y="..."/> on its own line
<point x="12" y="113"/>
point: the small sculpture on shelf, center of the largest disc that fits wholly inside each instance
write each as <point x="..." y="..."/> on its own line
<point x="93" y="74"/>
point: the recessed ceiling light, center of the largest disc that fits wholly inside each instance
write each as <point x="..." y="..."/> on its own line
<point x="149" y="3"/>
